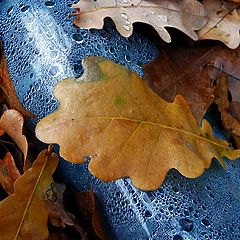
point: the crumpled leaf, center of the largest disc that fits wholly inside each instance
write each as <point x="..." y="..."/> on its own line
<point x="127" y="129"/>
<point x="23" y="215"/>
<point x="183" y="69"/>
<point x="57" y="215"/>
<point x="86" y="204"/>
<point x="11" y="122"/>
<point x="185" y="15"/>
<point x="7" y="86"/>
<point x="223" y="23"/>
<point x="227" y="66"/>
<point x="8" y="173"/>
<point x="229" y="112"/>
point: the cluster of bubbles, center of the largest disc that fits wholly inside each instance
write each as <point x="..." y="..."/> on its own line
<point x="43" y="47"/>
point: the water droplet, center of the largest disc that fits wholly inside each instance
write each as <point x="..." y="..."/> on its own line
<point x="186" y="224"/>
<point x="205" y="222"/>
<point x="49" y="3"/>
<point x="10" y="10"/>
<point x="175" y="189"/>
<point x="124" y="16"/>
<point x="77" y="37"/>
<point x="54" y="70"/>
<point x="126" y="27"/>
<point x="162" y="17"/>
<point x="127" y="58"/>
<point x="177" y="237"/>
<point x="148" y="214"/>
<point x="24" y="8"/>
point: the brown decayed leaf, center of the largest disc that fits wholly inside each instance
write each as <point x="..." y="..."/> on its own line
<point x="182" y="69"/>
<point x="7" y="86"/>
<point x="186" y="15"/>
<point x="8" y="173"/>
<point x="54" y="202"/>
<point x="11" y="122"/>
<point x="57" y="215"/>
<point x="111" y="115"/>
<point x="223" y="22"/>
<point x="228" y="62"/>
<point x="23" y="215"/>
<point x="230" y="122"/>
<point x="86" y="203"/>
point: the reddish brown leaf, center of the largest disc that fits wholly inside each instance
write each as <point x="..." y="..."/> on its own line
<point x="230" y="122"/>
<point x="8" y="173"/>
<point x="228" y="62"/>
<point x="86" y="203"/>
<point x="7" y="86"/>
<point x="182" y="69"/>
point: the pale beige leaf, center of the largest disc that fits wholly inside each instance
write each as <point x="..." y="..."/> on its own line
<point x="185" y="15"/>
<point x="223" y="23"/>
<point x="11" y="122"/>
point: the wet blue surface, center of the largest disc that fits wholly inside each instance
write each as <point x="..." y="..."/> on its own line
<point x="42" y="47"/>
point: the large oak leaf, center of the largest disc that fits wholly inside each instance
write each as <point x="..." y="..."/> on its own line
<point x="23" y="215"/>
<point x="111" y="115"/>
<point x="186" y="15"/>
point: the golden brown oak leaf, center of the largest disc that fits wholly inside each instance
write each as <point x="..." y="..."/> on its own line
<point x="7" y="86"/>
<point x="12" y="122"/>
<point x="8" y="173"/>
<point x="111" y="115"/>
<point x="186" y="15"/>
<point x="223" y="22"/>
<point x="23" y="215"/>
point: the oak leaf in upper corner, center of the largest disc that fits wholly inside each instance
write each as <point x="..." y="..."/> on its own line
<point x="185" y="15"/>
<point x="223" y="22"/>
<point x="111" y="115"/>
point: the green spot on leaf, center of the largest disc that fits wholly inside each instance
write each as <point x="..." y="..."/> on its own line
<point x="119" y="101"/>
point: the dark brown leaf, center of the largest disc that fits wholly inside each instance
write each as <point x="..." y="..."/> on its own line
<point x="86" y="204"/>
<point x="182" y="69"/>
